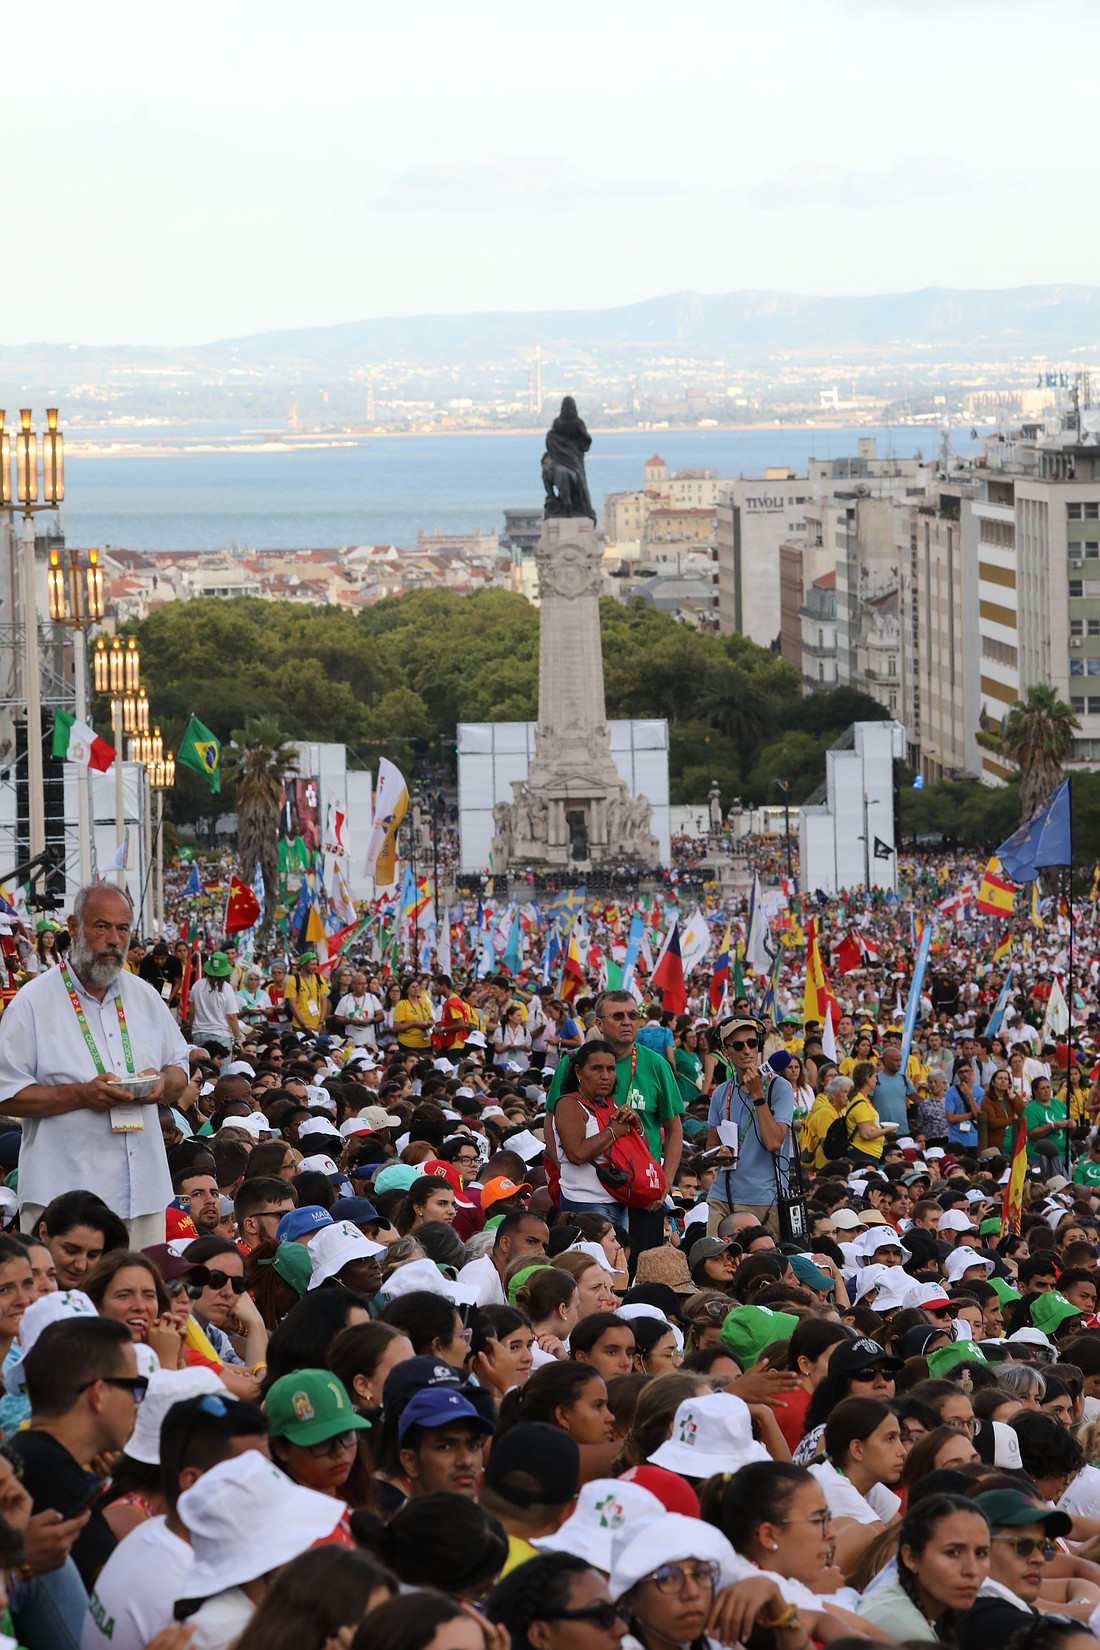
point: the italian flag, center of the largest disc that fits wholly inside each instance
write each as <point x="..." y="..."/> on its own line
<point x="75" y="741"/>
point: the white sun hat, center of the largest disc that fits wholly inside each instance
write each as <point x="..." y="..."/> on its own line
<point x="167" y="1387"/>
<point x="639" y="1549"/>
<point x="710" y="1434"/>
<point x="245" y="1517"/>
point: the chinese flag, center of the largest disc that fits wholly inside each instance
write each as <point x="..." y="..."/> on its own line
<point x="243" y="908"/>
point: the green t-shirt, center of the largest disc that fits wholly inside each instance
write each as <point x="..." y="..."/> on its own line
<point x="653" y="1093"/>
<point x="1087" y="1173"/>
<point x="1036" y="1114"/>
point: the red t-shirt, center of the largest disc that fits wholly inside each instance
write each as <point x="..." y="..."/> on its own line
<point x="790" y="1413"/>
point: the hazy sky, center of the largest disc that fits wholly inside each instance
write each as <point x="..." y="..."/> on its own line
<point x="214" y="170"/>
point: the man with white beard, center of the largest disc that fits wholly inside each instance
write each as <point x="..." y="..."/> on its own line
<point x="67" y="1042"/>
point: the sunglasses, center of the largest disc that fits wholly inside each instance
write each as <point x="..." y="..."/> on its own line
<point x="741" y="1048"/>
<point x="218" y="1280"/>
<point x="330" y="1446"/>
<point x="606" y="1615"/>
<point x="135" y="1385"/>
<point x="1024" y="1545"/>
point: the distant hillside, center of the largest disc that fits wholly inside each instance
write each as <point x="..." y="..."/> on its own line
<point x="1017" y="321"/>
<point x="746" y="325"/>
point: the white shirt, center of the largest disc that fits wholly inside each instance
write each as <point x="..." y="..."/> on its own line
<point x="134" y="1592"/>
<point x="211" y="1006"/>
<point x="360" y="1036"/>
<point x="41" y="1042"/>
<point x="1082" y="1499"/>
<point x="845" y="1501"/>
<point x="221" y="1620"/>
<point x="490" y="1290"/>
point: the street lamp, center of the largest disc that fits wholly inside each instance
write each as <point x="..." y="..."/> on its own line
<point x="785" y="787"/>
<point x="27" y="504"/>
<point x="75" y="589"/>
<point x="117" y="671"/>
<point x="161" y="770"/>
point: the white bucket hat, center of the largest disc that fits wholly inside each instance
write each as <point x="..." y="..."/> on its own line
<point x="639" y="1549"/>
<point x="868" y="1278"/>
<point x="425" y="1274"/>
<point x="245" y="1517"/>
<point x="961" y="1260"/>
<point x="47" y="1309"/>
<point x="603" y="1507"/>
<point x="709" y="1434"/>
<point x="333" y="1246"/>
<point x="166" y="1387"/>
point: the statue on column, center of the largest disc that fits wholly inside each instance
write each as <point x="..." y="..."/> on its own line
<point x="563" y="475"/>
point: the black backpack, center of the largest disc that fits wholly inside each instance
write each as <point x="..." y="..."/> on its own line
<point x="838" y="1136"/>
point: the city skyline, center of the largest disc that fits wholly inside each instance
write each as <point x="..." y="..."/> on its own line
<point x="262" y="179"/>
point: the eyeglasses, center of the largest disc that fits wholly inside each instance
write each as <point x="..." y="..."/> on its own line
<point x="1024" y="1545"/>
<point x="673" y="1578"/>
<point x="606" y="1616"/>
<point x="135" y="1385"/>
<point x="970" y="1426"/>
<point x="740" y="1048"/>
<point x="330" y="1446"/>
<point x="821" y="1520"/>
<point x="269" y="1214"/>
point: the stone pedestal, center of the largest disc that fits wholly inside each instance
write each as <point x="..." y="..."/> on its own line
<point x="573" y="812"/>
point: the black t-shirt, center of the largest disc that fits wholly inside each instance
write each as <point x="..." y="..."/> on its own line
<point x="158" y="974"/>
<point x="55" y="1479"/>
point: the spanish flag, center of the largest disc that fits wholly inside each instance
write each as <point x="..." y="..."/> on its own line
<point x="995" y="894"/>
<point x="1036" y="914"/>
<point x="572" y="974"/>
<point x="1003" y="946"/>
<point x="1014" y="1191"/>
<point x="815" y="1000"/>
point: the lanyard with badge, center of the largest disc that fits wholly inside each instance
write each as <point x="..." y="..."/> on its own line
<point x="125" y="1119"/>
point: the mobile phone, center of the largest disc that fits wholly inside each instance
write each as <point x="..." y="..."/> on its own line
<point x="96" y="1486"/>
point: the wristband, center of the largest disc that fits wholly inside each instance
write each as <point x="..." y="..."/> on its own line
<point x="761" y="1102"/>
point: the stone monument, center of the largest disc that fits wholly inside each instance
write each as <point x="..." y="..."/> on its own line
<point x="573" y="811"/>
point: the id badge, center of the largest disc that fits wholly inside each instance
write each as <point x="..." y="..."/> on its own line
<point x="127" y="1119"/>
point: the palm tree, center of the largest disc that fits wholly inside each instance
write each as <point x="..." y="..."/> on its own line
<point x="734" y="705"/>
<point x="1038" y="737"/>
<point x="257" y="762"/>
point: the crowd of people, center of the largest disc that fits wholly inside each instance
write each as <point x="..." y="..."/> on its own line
<point x="345" y="1312"/>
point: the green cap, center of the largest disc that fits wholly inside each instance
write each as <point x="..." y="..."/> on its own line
<point x="947" y="1357"/>
<point x="1009" y="1509"/>
<point x="307" y="956"/>
<point x="990" y="1227"/>
<point x="309" y="1406"/>
<point x="292" y="1262"/>
<point x="749" y="1329"/>
<point x="516" y="1284"/>
<point x="1004" y="1291"/>
<point x="218" y="966"/>
<point x="1050" y="1310"/>
<point x="396" y="1177"/>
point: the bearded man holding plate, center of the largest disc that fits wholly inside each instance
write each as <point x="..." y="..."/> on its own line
<point x="87" y="1050"/>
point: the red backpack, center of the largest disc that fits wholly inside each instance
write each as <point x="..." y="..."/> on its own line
<point x="628" y="1171"/>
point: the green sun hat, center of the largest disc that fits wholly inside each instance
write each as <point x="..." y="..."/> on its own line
<point x="1050" y="1310"/>
<point x="948" y="1357"/>
<point x="218" y="966"/>
<point x="1005" y="1293"/>
<point x="309" y="1406"/>
<point x="749" y="1329"/>
<point x="990" y="1227"/>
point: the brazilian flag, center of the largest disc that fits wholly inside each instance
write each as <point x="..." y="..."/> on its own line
<point x="202" y="752"/>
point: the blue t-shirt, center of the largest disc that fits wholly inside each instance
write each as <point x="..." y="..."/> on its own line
<point x="889" y="1099"/>
<point x="657" y="1037"/>
<point x="752" y="1179"/>
<point x="966" y="1133"/>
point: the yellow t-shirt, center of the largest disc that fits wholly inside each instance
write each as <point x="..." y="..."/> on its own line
<point x="305" y="991"/>
<point x="862" y="1111"/>
<point x="519" y="1551"/>
<point x="412" y="1022"/>
<point x="822" y="1114"/>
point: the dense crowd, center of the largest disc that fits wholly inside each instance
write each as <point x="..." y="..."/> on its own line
<point x="339" y="1310"/>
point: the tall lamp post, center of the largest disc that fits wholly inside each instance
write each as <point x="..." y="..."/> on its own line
<point x="162" y="776"/>
<point x="76" y="602"/>
<point x="785" y="787"/>
<point x="118" y="672"/>
<point x="27" y="504"/>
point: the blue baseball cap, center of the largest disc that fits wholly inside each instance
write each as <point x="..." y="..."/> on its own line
<point x="359" y="1210"/>
<point x="413" y="1375"/>
<point x="438" y="1407"/>
<point x="301" y="1222"/>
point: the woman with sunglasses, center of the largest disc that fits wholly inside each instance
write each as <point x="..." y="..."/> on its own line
<point x="227" y="1315"/>
<point x="556" y="1602"/>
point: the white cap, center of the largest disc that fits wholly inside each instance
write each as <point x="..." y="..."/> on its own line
<point x="353" y="1125"/>
<point x="846" y="1220"/>
<point x="245" y="1518"/>
<point x="593" y="1251"/>
<point x="977" y="1197"/>
<point x="254" y="1124"/>
<point x="1006" y="1448"/>
<point x="323" y="1165"/>
<point x="238" y="1068"/>
<point x="709" y="1434"/>
<point x="961" y="1260"/>
<point x="526" y="1145"/>
<point x="1030" y="1337"/>
<point x="318" y="1096"/>
<point x="379" y="1118"/>
<point x="444" y="1065"/>
<point x="639" y="1549"/>
<point x="415" y="1275"/>
<point x="318" y="1125"/>
<point x="166" y="1387"/>
<point x="602" y="1508"/>
<point x="475" y="1039"/>
<point x="934" y="1151"/>
<point x="642" y="1309"/>
<point x="47" y="1309"/>
<point x="696" y="1216"/>
<point x="333" y="1246"/>
<point x="952" y="1220"/>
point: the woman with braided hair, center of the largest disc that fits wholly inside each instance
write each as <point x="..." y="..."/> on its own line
<point x="943" y="1558"/>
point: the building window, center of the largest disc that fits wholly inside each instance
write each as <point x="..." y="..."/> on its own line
<point x="1092" y="548"/>
<point x="1094" y="627"/>
<point x="1073" y="512"/>
<point x="1077" y="587"/>
<point x="1077" y="706"/>
<point x="1077" y="667"/>
<point x="1091" y="512"/>
<point x="1077" y="627"/>
<point x="1094" y="707"/>
<point x="1092" y="667"/>
<point x="893" y="698"/>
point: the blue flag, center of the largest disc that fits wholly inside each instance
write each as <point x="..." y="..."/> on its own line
<point x="1017" y="853"/>
<point x="912" y="1002"/>
<point x="193" y="885"/>
<point x="513" y="953"/>
<point x="633" y="946"/>
<point x="1055" y="834"/>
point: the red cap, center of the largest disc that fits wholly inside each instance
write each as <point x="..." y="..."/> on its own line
<point x="447" y="1172"/>
<point x="178" y="1224"/>
<point x="673" y="1492"/>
